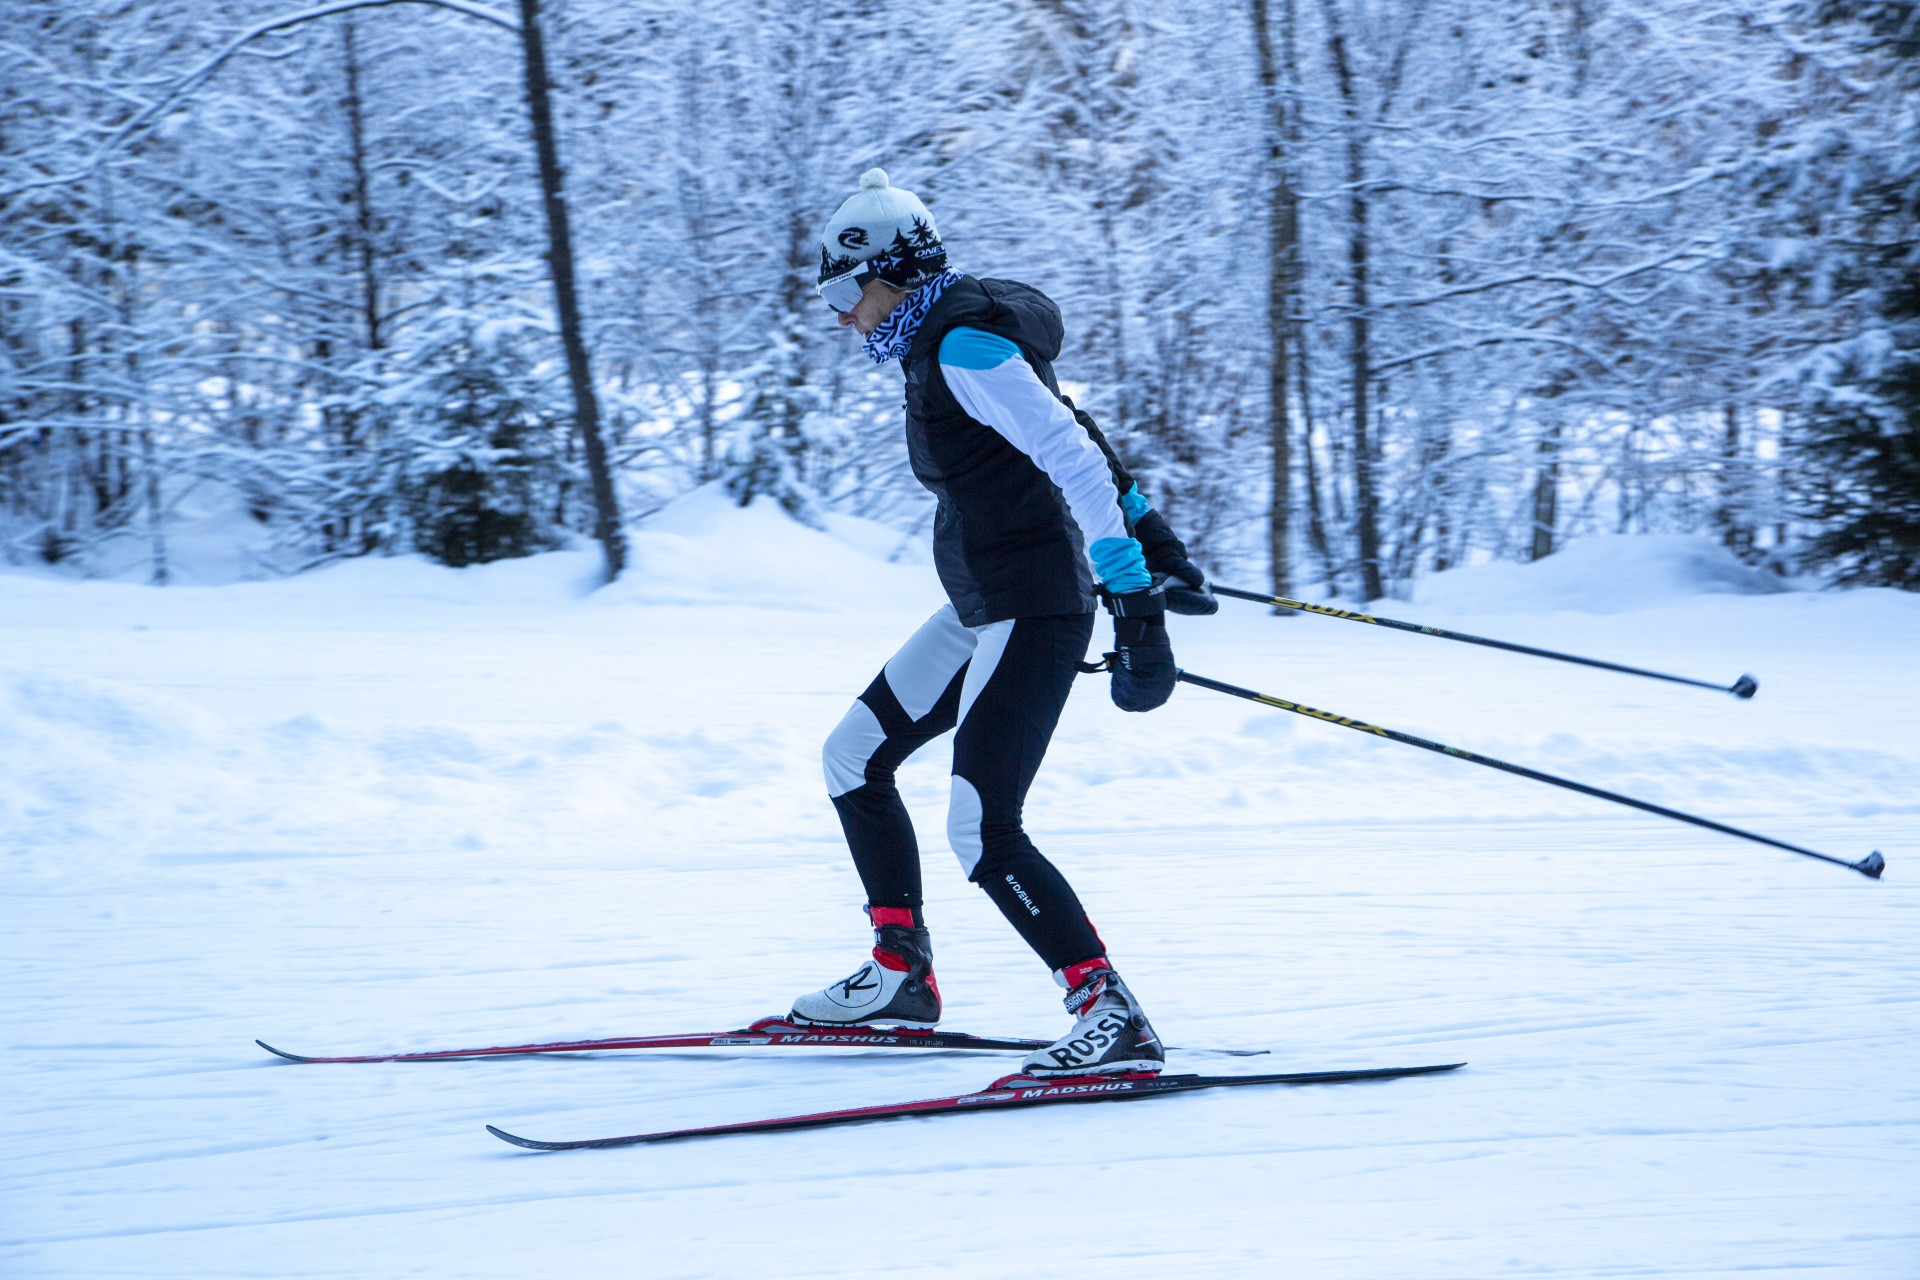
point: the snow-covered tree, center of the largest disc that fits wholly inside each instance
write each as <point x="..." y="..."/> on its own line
<point x="1361" y="289"/>
<point x="1859" y="436"/>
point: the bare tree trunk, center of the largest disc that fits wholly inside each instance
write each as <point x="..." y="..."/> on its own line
<point x="1580" y="42"/>
<point x="691" y="191"/>
<point x="1546" y="494"/>
<point x="709" y="426"/>
<point x="793" y="326"/>
<point x="1316" y="512"/>
<point x="586" y="405"/>
<point x="140" y="409"/>
<point x="1283" y="274"/>
<point x="1421" y="506"/>
<point x="1736" y="534"/>
<point x="1098" y="44"/>
<point x="1366" y="498"/>
<point x="61" y="446"/>
<point x="156" y="512"/>
<point x="362" y="200"/>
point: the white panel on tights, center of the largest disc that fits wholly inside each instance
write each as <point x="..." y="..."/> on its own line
<point x="923" y="668"/>
<point x="963" y="824"/>
<point x="849" y="747"/>
<point x="990" y="642"/>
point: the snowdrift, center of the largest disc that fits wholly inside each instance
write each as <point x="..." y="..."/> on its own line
<point x="1611" y="574"/>
<point x="704" y="548"/>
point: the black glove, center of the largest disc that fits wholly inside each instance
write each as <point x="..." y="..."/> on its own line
<point x="1186" y="586"/>
<point x="1187" y="592"/>
<point x="1143" y="670"/>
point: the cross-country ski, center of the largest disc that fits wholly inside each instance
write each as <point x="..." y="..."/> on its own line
<point x="1016" y="1090"/>
<point x="765" y="1032"/>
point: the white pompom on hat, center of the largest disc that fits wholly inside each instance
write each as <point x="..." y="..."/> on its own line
<point x="882" y="219"/>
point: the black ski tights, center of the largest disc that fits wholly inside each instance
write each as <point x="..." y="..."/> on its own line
<point x="1002" y="686"/>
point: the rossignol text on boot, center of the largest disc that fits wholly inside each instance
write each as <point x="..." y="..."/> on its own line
<point x="1110" y="1030"/>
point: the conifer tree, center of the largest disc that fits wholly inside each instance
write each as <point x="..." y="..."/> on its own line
<point x="1860" y="441"/>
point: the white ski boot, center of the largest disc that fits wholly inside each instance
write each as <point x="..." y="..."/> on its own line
<point x="1110" y="1032"/>
<point x="896" y="988"/>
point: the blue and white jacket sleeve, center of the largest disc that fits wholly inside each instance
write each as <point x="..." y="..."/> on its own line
<point x="994" y="383"/>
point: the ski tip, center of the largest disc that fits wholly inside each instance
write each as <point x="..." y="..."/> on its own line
<point x="1438" y="1068"/>
<point x="517" y="1141"/>
<point x="1870" y="866"/>
<point x="1744" y="688"/>
<point x="281" y="1053"/>
<point x="1433" y="1069"/>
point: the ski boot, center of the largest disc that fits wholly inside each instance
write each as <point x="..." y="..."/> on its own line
<point x="1110" y="1032"/>
<point x="896" y="988"/>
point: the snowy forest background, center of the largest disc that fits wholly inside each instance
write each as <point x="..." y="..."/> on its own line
<point x="1362" y="289"/>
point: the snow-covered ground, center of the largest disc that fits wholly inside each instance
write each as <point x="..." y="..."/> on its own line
<point x="389" y="805"/>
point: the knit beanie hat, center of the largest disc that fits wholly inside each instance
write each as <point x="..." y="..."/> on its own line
<point x="887" y="227"/>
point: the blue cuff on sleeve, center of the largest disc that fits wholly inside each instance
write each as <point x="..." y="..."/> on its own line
<point x="1134" y="505"/>
<point x="1121" y="565"/>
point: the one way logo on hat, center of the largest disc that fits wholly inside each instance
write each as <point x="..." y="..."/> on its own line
<point x="853" y="238"/>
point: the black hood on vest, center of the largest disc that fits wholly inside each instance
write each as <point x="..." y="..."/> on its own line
<point x="1034" y="314"/>
<point x="1006" y="307"/>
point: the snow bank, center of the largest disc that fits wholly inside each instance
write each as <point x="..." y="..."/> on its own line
<point x="72" y="749"/>
<point x="94" y="769"/>
<point x="189" y="716"/>
<point x="211" y="538"/>
<point x="704" y="548"/>
<point x="1611" y="574"/>
<point x="701" y="549"/>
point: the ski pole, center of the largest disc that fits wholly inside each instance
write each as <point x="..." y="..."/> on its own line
<point x="1870" y="866"/>
<point x="1744" y="687"/>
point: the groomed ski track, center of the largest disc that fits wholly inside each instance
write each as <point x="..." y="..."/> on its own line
<point x="398" y="807"/>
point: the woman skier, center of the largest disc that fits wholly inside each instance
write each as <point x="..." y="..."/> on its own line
<point x="1036" y="519"/>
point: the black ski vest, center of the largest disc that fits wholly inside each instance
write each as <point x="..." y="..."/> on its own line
<point x="1004" y="540"/>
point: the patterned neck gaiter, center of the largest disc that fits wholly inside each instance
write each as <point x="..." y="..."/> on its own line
<point x="895" y="334"/>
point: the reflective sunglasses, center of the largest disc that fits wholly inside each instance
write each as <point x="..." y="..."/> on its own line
<point x="842" y="292"/>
